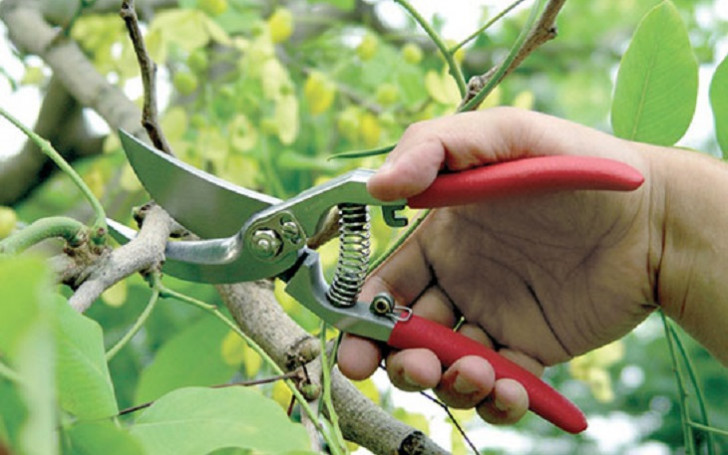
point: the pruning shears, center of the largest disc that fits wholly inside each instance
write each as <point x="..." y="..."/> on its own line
<point x="246" y="235"/>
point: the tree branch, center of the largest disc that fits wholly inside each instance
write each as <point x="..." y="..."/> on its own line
<point x="257" y="312"/>
<point x="149" y="72"/>
<point x="144" y="252"/>
<point x="145" y="8"/>
<point x="30" y="33"/>
<point x="61" y="122"/>
<point x="543" y="31"/>
<point x="75" y="84"/>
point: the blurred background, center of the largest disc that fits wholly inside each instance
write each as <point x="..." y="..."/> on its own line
<point x="263" y="93"/>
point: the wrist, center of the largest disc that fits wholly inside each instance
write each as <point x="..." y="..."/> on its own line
<point x="689" y="225"/>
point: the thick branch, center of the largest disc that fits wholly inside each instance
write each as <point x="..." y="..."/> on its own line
<point x="32" y="34"/>
<point x="144" y="252"/>
<point x="258" y="313"/>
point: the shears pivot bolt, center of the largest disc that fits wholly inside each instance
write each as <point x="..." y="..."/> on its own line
<point x="289" y="230"/>
<point x="266" y="244"/>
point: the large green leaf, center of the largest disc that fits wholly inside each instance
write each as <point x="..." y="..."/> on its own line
<point x="93" y="438"/>
<point x="346" y="5"/>
<point x="12" y="416"/>
<point x="35" y="368"/>
<point x="199" y="420"/>
<point x="719" y="103"/>
<point x="84" y="384"/>
<point x="26" y="342"/>
<point x="657" y="83"/>
<point x="22" y="283"/>
<point x="192" y="357"/>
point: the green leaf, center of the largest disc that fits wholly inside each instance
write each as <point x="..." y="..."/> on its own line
<point x="35" y="366"/>
<point x="442" y="87"/>
<point x="23" y="284"/>
<point x="410" y="82"/>
<point x="657" y="83"/>
<point x="198" y="420"/>
<point x="346" y="5"/>
<point x="189" y="29"/>
<point x="719" y="103"/>
<point x="297" y="161"/>
<point x="12" y="416"/>
<point x="236" y="21"/>
<point x="84" y="384"/>
<point x="26" y="342"/>
<point x="92" y="438"/>
<point x="192" y="357"/>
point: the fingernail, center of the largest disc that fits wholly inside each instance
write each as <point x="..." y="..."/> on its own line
<point x="408" y="379"/>
<point x="463" y="386"/>
<point x="499" y="405"/>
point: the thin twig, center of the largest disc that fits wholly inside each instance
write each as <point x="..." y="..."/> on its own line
<point x="708" y="429"/>
<point x="481" y="86"/>
<point x="327" y="401"/>
<point x="682" y="391"/>
<point x="98" y="234"/>
<point x="695" y="382"/>
<point x="453" y="66"/>
<point x="72" y="231"/>
<point x="213" y="310"/>
<point x="149" y="71"/>
<point x="543" y="31"/>
<point x="524" y="45"/>
<point x="453" y="420"/>
<point x="251" y="383"/>
<point x="153" y="299"/>
<point x="485" y="26"/>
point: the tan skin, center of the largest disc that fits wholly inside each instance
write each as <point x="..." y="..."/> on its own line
<point x="544" y="278"/>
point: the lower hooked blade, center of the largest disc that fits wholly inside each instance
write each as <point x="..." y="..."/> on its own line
<point x="183" y="259"/>
<point x="206" y="205"/>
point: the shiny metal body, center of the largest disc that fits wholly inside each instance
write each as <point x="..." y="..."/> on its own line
<point x="247" y="235"/>
<point x="206" y="205"/>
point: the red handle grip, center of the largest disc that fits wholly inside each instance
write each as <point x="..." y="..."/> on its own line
<point x="449" y="346"/>
<point x="528" y="176"/>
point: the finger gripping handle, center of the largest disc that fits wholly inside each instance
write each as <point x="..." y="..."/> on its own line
<point x="449" y="346"/>
<point x="528" y="176"/>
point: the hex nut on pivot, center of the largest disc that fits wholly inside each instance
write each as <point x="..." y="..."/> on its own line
<point x="290" y="231"/>
<point x="265" y="243"/>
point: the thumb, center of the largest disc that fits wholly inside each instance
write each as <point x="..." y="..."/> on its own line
<point x="454" y="143"/>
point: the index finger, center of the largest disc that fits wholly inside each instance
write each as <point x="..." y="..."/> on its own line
<point x="405" y="275"/>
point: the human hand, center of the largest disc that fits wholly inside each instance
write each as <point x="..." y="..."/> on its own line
<point x="539" y="278"/>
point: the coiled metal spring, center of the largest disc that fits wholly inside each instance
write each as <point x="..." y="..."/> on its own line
<point x="353" y="262"/>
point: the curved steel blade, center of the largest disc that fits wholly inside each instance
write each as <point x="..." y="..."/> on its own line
<point x="206" y="205"/>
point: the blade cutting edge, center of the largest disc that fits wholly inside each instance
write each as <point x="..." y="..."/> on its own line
<point x="206" y="205"/>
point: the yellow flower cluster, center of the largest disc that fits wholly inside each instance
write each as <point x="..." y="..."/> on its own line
<point x="592" y="368"/>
